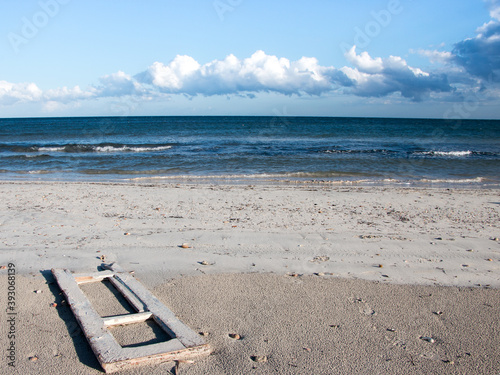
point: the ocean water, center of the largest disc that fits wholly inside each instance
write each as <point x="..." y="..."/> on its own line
<point x="336" y="150"/>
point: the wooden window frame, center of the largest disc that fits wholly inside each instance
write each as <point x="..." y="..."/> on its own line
<point x="183" y="345"/>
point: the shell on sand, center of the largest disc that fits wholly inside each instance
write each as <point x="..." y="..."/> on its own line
<point x="259" y="358"/>
<point x="428" y="339"/>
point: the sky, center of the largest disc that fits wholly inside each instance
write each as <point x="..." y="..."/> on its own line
<point x="363" y="58"/>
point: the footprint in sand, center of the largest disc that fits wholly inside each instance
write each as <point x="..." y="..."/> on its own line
<point x="364" y="307"/>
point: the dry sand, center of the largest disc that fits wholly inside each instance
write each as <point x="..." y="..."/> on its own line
<point x="294" y="270"/>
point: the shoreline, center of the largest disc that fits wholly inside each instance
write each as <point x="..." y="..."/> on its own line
<point x="267" y="180"/>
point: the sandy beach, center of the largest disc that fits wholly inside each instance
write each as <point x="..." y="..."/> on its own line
<point x="315" y="278"/>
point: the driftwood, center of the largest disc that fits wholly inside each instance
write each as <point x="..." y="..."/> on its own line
<point x="183" y="345"/>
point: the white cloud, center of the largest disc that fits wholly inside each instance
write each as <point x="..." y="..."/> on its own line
<point x="363" y="62"/>
<point x="117" y="84"/>
<point x="172" y="76"/>
<point x="495" y="9"/>
<point x="65" y="95"/>
<point x="377" y="77"/>
<point x="11" y="93"/>
<point x="257" y="73"/>
<point x="56" y="106"/>
<point x="435" y="56"/>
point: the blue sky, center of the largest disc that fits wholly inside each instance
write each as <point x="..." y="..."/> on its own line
<point x="394" y="58"/>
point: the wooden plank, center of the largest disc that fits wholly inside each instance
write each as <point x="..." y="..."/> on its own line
<point x="126" y="319"/>
<point x="82" y="278"/>
<point x="183" y="354"/>
<point x="129" y="295"/>
<point x="161" y="314"/>
<point x="101" y="341"/>
<point x="173" y="345"/>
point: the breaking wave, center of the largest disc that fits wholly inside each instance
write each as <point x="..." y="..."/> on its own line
<point x="456" y="154"/>
<point x="82" y="148"/>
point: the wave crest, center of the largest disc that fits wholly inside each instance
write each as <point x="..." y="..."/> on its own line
<point x="448" y="153"/>
<point x="88" y="148"/>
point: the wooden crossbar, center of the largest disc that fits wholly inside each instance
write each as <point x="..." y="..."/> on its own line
<point x="185" y="343"/>
<point x="118" y="320"/>
<point x="83" y="278"/>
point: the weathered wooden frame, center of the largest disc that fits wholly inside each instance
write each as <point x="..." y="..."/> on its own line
<point x="185" y="343"/>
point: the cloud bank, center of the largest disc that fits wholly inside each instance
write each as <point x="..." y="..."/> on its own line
<point x="472" y="64"/>
<point x="258" y="73"/>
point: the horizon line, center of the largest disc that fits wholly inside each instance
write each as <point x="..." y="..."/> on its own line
<point x="269" y="116"/>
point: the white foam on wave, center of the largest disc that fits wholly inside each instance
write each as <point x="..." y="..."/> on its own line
<point x="448" y="153"/>
<point x="301" y="175"/>
<point x="40" y="171"/>
<point x="454" y="181"/>
<point x="130" y="149"/>
<point x="107" y="148"/>
<point x="50" y="149"/>
<point x="453" y="153"/>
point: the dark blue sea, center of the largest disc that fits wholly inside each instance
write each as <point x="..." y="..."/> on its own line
<point x="350" y="150"/>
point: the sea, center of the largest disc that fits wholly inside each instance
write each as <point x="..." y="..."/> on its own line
<point x="253" y="149"/>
